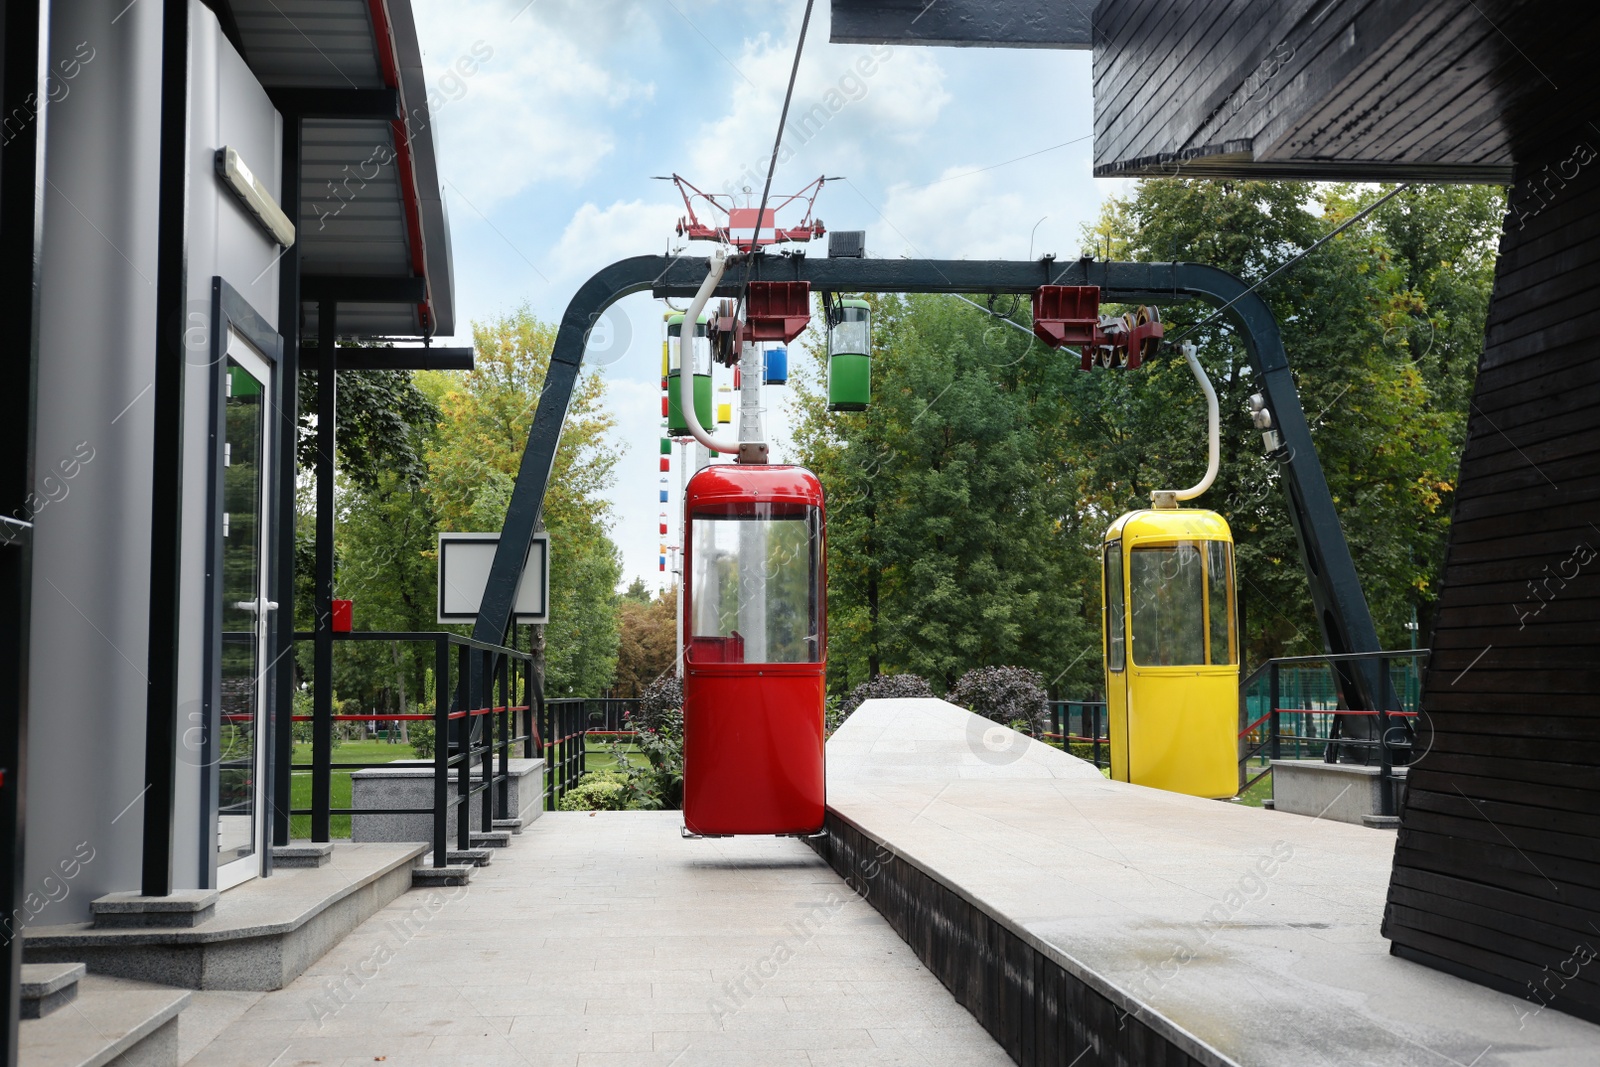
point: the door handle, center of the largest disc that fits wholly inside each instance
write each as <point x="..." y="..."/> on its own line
<point x="256" y="606"/>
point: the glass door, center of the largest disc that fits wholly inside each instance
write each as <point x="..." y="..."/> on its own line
<point x="246" y="613"/>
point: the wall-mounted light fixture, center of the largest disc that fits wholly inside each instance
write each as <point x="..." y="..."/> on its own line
<point x="248" y="188"/>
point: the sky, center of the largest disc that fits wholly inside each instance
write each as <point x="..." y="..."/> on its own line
<point x="557" y="113"/>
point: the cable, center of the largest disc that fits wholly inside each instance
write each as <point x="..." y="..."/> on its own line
<point x="1330" y="235"/>
<point x="993" y="312"/>
<point x="783" y="118"/>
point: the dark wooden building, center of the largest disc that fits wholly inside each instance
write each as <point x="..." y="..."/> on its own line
<point x="1497" y="869"/>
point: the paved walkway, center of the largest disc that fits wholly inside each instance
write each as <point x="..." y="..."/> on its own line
<point x="607" y="939"/>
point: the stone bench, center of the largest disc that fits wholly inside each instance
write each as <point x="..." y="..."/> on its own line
<point x="409" y="784"/>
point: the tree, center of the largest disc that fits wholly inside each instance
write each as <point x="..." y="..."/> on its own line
<point x="968" y="504"/>
<point x="648" y="643"/>
<point x="946" y="548"/>
<point x="1386" y="418"/>
<point x="473" y="461"/>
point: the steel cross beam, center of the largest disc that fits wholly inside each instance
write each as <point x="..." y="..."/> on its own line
<point x="1335" y="588"/>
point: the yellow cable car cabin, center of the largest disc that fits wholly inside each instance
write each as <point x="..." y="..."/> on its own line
<point x="1172" y="651"/>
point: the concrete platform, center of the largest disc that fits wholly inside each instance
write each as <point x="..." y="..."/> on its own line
<point x="606" y="939"/>
<point x="1192" y="930"/>
<point x="261" y="934"/>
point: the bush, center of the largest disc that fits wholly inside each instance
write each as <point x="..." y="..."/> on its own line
<point x="1006" y="695"/>
<point x="421" y="735"/>
<point x="884" y="687"/>
<point x="597" y="791"/>
<point x="661" y="705"/>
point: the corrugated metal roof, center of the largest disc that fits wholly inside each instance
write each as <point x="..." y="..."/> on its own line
<point x="309" y="43"/>
<point x="354" y="196"/>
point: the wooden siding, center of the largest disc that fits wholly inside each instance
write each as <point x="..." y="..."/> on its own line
<point x="1438" y="90"/>
<point x="1497" y="869"/>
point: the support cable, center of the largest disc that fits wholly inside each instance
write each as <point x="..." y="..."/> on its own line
<point x="783" y="119"/>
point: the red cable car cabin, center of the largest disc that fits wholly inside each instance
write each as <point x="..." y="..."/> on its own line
<point x="755" y="639"/>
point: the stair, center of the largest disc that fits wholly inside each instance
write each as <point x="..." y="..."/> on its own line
<point x="257" y="936"/>
<point x="112" y="1023"/>
<point x="48" y="986"/>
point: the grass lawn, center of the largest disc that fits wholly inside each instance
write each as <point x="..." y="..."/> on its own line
<point x="339" y="781"/>
<point x="598" y="756"/>
<point x="1262" y="790"/>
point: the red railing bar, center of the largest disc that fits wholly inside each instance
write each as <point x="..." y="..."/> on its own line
<point x="1320" y="711"/>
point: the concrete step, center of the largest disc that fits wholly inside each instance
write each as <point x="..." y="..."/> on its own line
<point x="48" y="986"/>
<point x="261" y="935"/>
<point x="112" y="1023"/>
<point x="427" y="875"/>
<point x="123" y="911"/>
<point x="512" y="825"/>
<point x="302" y="854"/>
<point x="494" y="839"/>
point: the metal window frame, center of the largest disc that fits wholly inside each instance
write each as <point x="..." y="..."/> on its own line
<point x="232" y="313"/>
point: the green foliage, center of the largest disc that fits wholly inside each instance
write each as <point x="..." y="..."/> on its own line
<point x="946" y="541"/>
<point x="473" y="459"/>
<point x="598" y="791"/>
<point x="659" y="786"/>
<point x="966" y="507"/>
<point x="381" y="422"/>
<point x="1014" y="696"/>
<point x="661" y="706"/>
<point x="421" y="734"/>
<point x="647" y="645"/>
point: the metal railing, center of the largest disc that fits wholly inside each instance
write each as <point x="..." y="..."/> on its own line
<point x="564" y="734"/>
<point x="469" y="727"/>
<point x="1301" y="692"/>
<point x="612" y="716"/>
<point x="1081" y="722"/>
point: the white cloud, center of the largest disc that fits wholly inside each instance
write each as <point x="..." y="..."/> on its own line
<point x="597" y="236"/>
<point x="517" y="101"/>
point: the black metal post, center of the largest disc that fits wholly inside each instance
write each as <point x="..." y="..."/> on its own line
<point x="463" y="753"/>
<point x="21" y="181"/>
<point x="1386" y="805"/>
<point x="322" y="681"/>
<point x="1272" y="709"/>
<point x="282" y="750"/>
<point x="508" y="720"/>
<point x="166" y="489"/>
<point x="441" y="756"/>
<point x="486" y="757"/>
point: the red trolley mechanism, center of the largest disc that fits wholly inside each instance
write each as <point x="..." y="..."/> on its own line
<point x="736" y="226"/>
<point x="754" y="651"/>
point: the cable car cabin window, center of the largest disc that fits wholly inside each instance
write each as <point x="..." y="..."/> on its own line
<point x="756" y="595"/>
<point x="1219" y="601"/>
<point x="1167" y="586"/>
<point x="1116" y="612"/>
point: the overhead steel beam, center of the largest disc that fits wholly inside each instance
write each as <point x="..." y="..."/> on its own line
<point x="394" y="358"/>
<point x="965" y="23"/>
<point x="1341" y="607"/>
<point x="337" y="103"/>
<point x="363" y="288"/>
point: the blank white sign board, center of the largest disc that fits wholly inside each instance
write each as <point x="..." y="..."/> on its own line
<point x="464" y="562"/>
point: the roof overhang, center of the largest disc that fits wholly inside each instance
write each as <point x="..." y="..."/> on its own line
<point x="370" y="200"/>
<point x="963" y="23"/>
